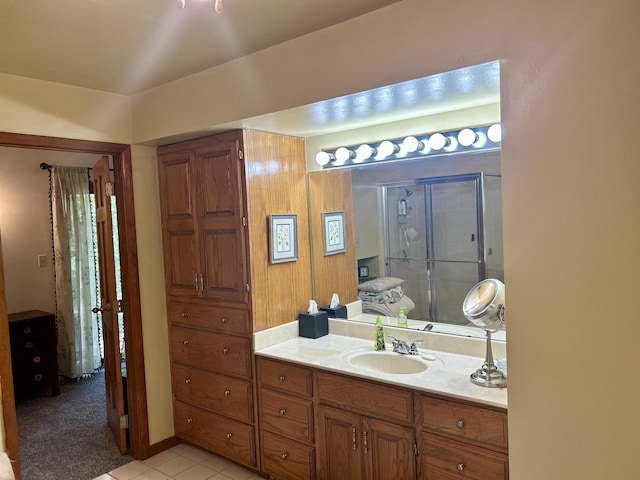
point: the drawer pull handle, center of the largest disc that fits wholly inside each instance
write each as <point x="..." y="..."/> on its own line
<point x="228" y="435"/>
<point x="353" y="438"/>
<point x="36" y="359"/>
<point x="460" y="467"/>
<point x="282" y="412"/>
<point x="28" y="330"/>
<point x="460" y="424"/>
<point x="183" y="314"/>
<point x="284" y="456"/>
<point x="227" y="393"/>
<point x="189" y="420"/>
<point x="185" y="342"/>
<point x="225" y="350"/>
<point x="223" y="320"/>
<point x="37" y="377"/>
<point x="28" y="345"/>
<point x="187" y="381"/>
<point x="281" y="379"/>
<point x="366" y="444"/>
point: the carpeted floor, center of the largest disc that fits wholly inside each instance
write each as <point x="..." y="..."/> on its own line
<point x="67" y="437"/>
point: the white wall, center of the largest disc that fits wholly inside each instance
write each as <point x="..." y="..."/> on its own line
<point x="569" y="77"/>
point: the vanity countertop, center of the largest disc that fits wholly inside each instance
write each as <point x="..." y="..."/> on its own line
<point x="446" y="374"/>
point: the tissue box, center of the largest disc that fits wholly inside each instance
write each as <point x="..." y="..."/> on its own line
<point x="339" y="312"/>
<point x="313" y="325"/>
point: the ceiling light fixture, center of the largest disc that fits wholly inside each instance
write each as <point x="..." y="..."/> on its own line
<point x="217" y="5"/>
<point x="437" y="144"/>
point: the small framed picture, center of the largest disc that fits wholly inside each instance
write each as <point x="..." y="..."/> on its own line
<point x="284" y="238"/>
<point x="334" y="233"/>
<point x="363" y="271"/>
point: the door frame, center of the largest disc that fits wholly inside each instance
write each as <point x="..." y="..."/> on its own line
<point x="136" y="386"/>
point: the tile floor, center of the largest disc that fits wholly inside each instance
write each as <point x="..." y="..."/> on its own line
<point x="182" y="462"/>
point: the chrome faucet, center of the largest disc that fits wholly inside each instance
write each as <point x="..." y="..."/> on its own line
<point x="401" y="346"/>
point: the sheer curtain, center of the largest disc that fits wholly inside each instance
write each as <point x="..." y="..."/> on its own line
<point x="75" y="272"/>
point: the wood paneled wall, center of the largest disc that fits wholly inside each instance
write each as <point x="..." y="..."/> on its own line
<point x="275" y="171"/>
<point x="330" y="191"/>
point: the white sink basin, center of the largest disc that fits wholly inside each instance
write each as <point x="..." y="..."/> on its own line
<point x="384" y="362"/>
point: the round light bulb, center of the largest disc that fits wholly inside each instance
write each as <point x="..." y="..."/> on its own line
<point x="364" y="152"/>
<point x="412" y="144"/>
<point x="438" y="141"/>
<point x="387" y="148"/>
<point x="495" y="133"/>
<point x="467" y="137"/>
<point x="323" y="158"/>
<point x="343" y="154"/>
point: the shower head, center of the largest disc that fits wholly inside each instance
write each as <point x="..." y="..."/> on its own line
<point x="408" y="192"/>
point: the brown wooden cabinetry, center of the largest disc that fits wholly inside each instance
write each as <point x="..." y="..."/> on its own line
<point x="462" y="441"/>
<point x="366" y="430"/>
<point x="216" y="196"/>
<point x="287" y="420"/>
<point x="34" y="355"/>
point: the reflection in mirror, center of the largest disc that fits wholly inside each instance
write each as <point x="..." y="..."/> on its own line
<point x="426" y="232"/>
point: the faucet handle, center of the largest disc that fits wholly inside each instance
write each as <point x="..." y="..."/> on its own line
<point x="413" y="350"/>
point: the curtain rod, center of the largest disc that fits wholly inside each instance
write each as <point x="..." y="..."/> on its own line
<point x="46" y="166"/>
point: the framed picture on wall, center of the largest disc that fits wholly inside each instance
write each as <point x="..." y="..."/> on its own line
<point x="334" y="233"/>
<point x="284" y="238"/>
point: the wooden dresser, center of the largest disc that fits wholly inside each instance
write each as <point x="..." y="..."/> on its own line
<point x="34" y="352"/>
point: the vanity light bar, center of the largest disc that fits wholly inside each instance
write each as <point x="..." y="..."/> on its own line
<point x="483" y="138"/>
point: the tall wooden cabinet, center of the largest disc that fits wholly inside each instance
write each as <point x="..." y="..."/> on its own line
<point x="216" y="195"/>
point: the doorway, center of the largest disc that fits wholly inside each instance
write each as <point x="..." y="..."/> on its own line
<point x="136" y="393"/>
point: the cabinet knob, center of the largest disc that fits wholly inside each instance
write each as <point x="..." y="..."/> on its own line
<point x="187" y="381"/>
<point x="223" y="320"/>
<point x="189" y="420"/>
<point x="185" y="342"/>
<point x="284" y="456"/>
<point x="281" y="379"/>
<point x="28" y="345"/>
<point x="183" y="314"/>
<point x="225" y="350"/>
<point x="228" y="435"/>
<point x="227" y="393"/>
<point x="460" y="424"/>
<point x="36" y="359"/>
<point x="460" y="467"/>
<point x="28" y="330"/>
<point x="282" y="412"/>
<point x="37" y="377"/>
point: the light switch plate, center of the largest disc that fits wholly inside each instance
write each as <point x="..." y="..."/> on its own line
<point x="42" y="261"/>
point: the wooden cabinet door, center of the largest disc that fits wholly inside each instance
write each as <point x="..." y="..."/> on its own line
<point x="176" y="172"/>
<point x="389" y="452"/>
<point x="221" y="220"/>
<point x="341" y="436"/>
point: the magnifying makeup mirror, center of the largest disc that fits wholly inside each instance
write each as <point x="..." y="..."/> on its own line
<point x="484" y="307"/>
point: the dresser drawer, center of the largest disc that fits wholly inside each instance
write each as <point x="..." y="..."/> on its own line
<point x="219" y="393"/>
<point x="465" y="422"/>
<point x="211" y="351"/>
<point x="219" y="434"/>
<point x="285" y="377"/>
<point x="217" y="318"/>
<point x="31" y="380"/>
<point x="287" y="459"/>
<point x="366" y="398"/>
<point x="31" y="324"/>
<point x="445" y="459"/>
<point x="31" y="350"/>
<point x="287" y="415"/>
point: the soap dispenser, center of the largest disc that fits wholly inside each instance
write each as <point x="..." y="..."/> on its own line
<point x="379" y="339"/>
<point x="402" y="318"/>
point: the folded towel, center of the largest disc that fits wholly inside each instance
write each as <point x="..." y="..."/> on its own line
<point x="6" y="472"/>
<point x="390" y="295"/>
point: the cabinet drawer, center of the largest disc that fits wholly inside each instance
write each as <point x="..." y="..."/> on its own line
<point x="286" y="415"/>
<point x="444" y="459"/>
<point x="219" y="393"/>
<point x="465" y="422"/>
<point x="211" y="351"/>
<point x="32" y="350"/>
<point x="25" y="381"/>
<point x="367" y="398"/>
<point x="22" y="328"/>
<point x="219" y="319"/>
<point x="219" y="434"/>
<point x="284" y="458"/>
<point x="285" y="377"/>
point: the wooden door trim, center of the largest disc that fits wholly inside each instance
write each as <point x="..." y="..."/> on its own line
<point x="136" y="391"/>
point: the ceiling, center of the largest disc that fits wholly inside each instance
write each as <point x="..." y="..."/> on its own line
<point x="128" y="46"/>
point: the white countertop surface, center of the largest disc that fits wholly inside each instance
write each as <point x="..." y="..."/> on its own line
<point x="446" y="374"/>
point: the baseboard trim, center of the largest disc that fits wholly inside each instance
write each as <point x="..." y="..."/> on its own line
<point x="163" y="445"/>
